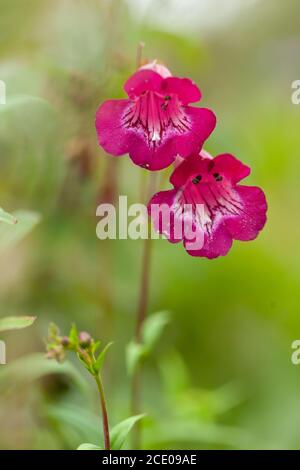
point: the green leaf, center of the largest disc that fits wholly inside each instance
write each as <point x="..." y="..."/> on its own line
<point x="135" y="353"/>
<point x="73" y="422"/>
<point x="96" y="346"/>
<point x="153" y="328"/>
<point x="88" y="446"/>
<point x="10" y="235"/>
<point x="16" y="101"/>
<point x="120" y="432"/>
<point x="7" y="218"/>
<point x="81" y="359"/>
<point x="99" y="362"/>
<point x="73" y="335"/>
<point x="15" y="323"/>
<point x="26" y="369"/>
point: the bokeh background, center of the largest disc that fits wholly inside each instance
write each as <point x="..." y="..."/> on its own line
<point x="222" y="376"/>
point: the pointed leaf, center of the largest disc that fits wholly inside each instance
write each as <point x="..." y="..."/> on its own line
<point x="84" y="363"/>
<point x="73" y="335"/>
<point x="88" y="446"/>
<point x="120" y="432"/>
<point x="10" y="235"/>
<point x="7" y="218"/>
<point x="15" y="323"/>
<point x="99" y="362"/>
<point x="153" y="328"/>
<point x="135" y="353"/>
<point x="96" y="346"/>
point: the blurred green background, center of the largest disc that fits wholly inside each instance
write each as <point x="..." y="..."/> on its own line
<point x="222" y="376"/>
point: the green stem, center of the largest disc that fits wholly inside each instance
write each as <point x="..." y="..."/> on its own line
<point x="141" y="315"/>
<point x="104" y="412"/>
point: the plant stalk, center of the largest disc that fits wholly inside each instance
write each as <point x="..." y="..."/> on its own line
<point x="140" y="318"/>
<point x="104" y="412"/>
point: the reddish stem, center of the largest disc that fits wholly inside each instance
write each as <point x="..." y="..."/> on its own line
<point x="104" y="413"/>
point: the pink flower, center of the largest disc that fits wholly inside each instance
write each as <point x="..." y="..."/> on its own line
<point x="209" y="202"/>
<point x="155" y="123"/>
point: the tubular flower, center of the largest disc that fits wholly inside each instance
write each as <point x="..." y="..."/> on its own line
<point x="209" y="206"/>
<point x="155" y="123"/>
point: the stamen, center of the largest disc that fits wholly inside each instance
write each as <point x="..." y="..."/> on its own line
<point x="217" y="177"/>
<point x="197" y="179"/>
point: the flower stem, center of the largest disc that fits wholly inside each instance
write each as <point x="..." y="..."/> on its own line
<point x="144" y="290"/>
<point x="140" y="318"/>
<point x="104" y="412"/>
<point x="139" y="52"/>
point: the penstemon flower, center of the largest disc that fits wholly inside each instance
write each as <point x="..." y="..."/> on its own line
<point x="207" y="196"/>
<point x="155" y="123"/>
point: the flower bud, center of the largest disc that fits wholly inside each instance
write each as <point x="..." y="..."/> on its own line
<point x="85" y="339"/>
<point x="65" y="341"/>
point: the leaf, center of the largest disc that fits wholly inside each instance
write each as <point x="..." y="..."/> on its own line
<point x="99" y="362"/>
<point x="88" y="446"/>
<point x="153" y="328"/>
<point x="121" y="430"/>
<point x="73" y="422"/>
<point x="81" y="359"/>
<point x="32" y="367"/>
<point x="10" y="235"/>
<point x="15" y="323"/>
<point x="73" y="335"/>
<point x="135" y="353"/>
<point x="96" y="346"/>
<point x="7" y="218"/>
<point x="16" y="101"/>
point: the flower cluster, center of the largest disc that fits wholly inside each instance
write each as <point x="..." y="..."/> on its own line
<point x="157" y="126"/>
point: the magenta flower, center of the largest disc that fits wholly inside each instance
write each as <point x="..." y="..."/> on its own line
<point x="208" y="208"/>
<point x="155" y="123"/>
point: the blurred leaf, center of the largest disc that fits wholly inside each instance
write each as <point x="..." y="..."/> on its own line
<point x="76" y="423"/>
<point x="87" y="367"/>
<point x="96" y="346"/>
<point x="119" y="432"/>
<point x="153" y="328"/>
<point x="15" y="323"/>
<point x="99" y="362"/>
<point x="73" y="335"/>
<point x="7" y="218"/>
<point x="135" y="352"/>
<point x="33" y="367"/>
<point x="10" y="235"/>
<point x="20" y="100"/>
<point x="183" y="434"/>
<point x="88" y="446"/>
<point x="174" y="374"/>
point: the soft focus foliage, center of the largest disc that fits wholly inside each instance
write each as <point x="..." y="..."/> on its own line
<point x="222" y="376"/>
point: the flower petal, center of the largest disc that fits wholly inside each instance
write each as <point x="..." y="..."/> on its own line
<point x="158" y="68"/>
<point x="186" y="90"/>
<point x="217" y="244"/>
<point x="112" y="135"/>
<point x="173" y="143"/>
<point x="202" y="124"/>
<point x="163" y="221"/>
<point x="252" y="218"/>
<point x="141" y="81"/>
<point x="230" y="167"/>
